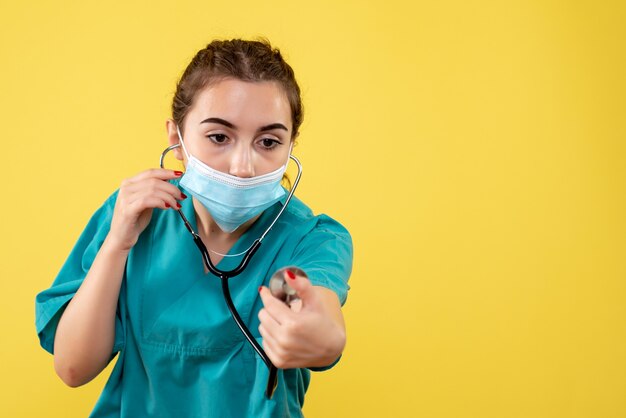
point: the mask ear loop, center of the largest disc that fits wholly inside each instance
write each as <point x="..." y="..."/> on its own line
<point x="180" y="138"/>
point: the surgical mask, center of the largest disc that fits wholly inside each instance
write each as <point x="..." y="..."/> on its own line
<point x="231" y="200"/>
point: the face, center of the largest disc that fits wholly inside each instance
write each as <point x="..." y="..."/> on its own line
<point x="237" y="127"/>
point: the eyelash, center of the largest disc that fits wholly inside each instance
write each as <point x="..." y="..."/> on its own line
<point x="275" y="142"/>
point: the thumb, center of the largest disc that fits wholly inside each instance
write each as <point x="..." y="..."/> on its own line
<point x="302" y="285"/>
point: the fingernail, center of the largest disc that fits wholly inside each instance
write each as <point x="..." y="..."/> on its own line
<point x="178" y="205"/>
<point x="178" y="173"/>
<point x="260" y="288"/>
<point x="184" y="195"/>
<point x="291" y="275"/>
<point x="167" y="205"/>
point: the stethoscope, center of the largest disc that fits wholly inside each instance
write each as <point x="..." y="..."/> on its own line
<point x="225" y="275"/>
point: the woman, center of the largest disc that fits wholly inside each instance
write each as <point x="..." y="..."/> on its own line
<point x="135" y="283"/>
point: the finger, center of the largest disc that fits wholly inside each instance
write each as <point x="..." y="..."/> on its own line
<point x="159" y="173"/>
<point x="268" y="321"/>
<point x="268" y="338"/>
<point x="273" y="350"/>
<point x="274" y="306"/>
<point x="304" y="288"/>
<point x="147" y="202"/>
<point x="296" y="305"/>
<point x="154" y="185"/>
<point x="165" y="199"/>
<point x="170" y="188"/>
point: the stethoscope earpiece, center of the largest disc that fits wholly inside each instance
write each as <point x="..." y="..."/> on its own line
<point x="165" y="151"/>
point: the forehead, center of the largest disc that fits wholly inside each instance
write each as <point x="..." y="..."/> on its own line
<point x="243" y="102"/>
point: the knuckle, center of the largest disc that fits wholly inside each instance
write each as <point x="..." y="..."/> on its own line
<point x="291" y="326"/>
<point x="142" y="201"/>
<point x="157" y="172"/>
<point x="152" y="185"/>
<point x="280" y="359"/>
<point x="284" y="342"/>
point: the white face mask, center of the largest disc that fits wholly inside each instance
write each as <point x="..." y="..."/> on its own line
<point x="231" y="200"/>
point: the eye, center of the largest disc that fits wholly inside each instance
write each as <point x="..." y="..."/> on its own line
<point x="269" y="143"/>
<point x="217" y="138"/>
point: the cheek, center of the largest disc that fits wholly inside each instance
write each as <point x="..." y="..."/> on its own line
<point x="214" y="157"/>
<point x="272" y="161"/>
<point x="217" y="162"/>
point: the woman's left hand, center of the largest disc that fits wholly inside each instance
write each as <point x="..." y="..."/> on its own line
<point x="310" y="333"/>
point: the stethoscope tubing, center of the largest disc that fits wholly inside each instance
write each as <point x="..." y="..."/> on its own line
<point x="225" y="275"/>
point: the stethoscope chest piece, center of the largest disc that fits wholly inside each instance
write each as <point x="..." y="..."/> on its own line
<point x="281" y="289"/>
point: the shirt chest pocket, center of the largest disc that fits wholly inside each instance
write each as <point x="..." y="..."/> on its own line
<point x="182" y="308"/>
<point x="194" y="318"/>
<point x="177" y="305"/>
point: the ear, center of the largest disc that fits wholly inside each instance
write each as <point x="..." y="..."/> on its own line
<point x="172" y="138"/>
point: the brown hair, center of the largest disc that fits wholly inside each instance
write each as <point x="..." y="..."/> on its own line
<point x="241" y="59"/>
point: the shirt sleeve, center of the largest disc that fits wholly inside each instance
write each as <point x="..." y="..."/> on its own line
<point x="50" y="303"/>
<point x="325" y="254"/>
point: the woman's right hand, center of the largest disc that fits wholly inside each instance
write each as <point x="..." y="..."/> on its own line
<point x="136" y="198"/>
<point x="85" y="334"/>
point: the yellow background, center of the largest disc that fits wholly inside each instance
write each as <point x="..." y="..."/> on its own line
<point x="475" y="150"/>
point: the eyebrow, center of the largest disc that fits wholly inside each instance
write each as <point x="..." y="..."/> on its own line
<point x="231" y="126"/>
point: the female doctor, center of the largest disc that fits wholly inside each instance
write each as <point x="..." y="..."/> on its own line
<point x="136" y="284"/>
